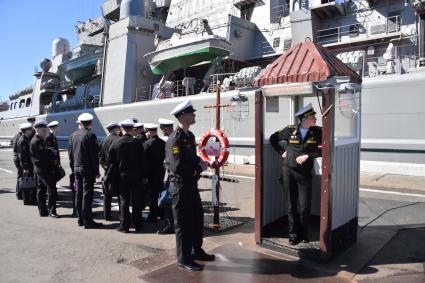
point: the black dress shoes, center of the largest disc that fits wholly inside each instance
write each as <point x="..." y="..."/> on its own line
<point x="190" y="265"/>
<point x="166" y="230"/>
<point x="122" y="230"/>
<point x="202" y="255"/>
<point x="54" y="215"/>
<point x="294" y="241"/>
<point x="92" y="225"/>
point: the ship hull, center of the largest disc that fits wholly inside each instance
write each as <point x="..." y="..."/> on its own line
<point x="392" y="116"/>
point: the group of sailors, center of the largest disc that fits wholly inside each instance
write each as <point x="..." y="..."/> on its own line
<point x="138" y="165"/>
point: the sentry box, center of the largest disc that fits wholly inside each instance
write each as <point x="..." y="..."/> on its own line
<point x="308" y="73"/>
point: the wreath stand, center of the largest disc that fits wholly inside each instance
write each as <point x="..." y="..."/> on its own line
<point x="216" y="223"/>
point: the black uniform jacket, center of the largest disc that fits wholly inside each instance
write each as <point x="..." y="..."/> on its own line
<point x="127" y="157"/>
<point x="142" y="138"/>
<point x="24" y="155"/>
<point x="41" y="156"/>
<point x="83" y="152"/>
<point x="14" y="142"/>
<point x="181" y="157"/>
<point x="104" y="151"/>
<point x="295" y="146"/>
<point x="155" y="153"/>
<point x="52" y="145"/>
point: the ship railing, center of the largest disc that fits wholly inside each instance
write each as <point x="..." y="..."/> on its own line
<point x="355" y="31"/>
<point x="279" y="12"/>
<point x="369" y="61"/>
<point x="220" y="79"/>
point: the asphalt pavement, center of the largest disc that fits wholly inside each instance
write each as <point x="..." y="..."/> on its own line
<point x="390" y="245"/>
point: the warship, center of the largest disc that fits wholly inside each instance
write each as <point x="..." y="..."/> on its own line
<point x="142" y="57"/>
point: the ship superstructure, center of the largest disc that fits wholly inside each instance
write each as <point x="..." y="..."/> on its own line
<point x="143" y="51"/>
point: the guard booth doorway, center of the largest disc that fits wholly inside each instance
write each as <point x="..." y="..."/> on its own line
<point x="335" y="182"/>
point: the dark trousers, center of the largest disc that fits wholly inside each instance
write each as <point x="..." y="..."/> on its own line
<point x="73" y="188"/>
<point x="84" y="196"/>
<point x="169" y="219"/>
<point x="46" y="183"/>
<point x="298" y="186"/>
<point x="188" y="220"/>
<point x="130" y="191"/>
<point x="19" y="175"/>
<point x="155" y="186"/>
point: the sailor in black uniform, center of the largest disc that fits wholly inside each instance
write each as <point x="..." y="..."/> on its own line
<point x="126" y="156"/>
<point x="45" y="167"/>
<point x="185" y="169"/>
<point x="24" y="157"/>
<point x="113" y="129"/>
<point x="52" y="144"/>
<point x="167" y="128"/>
<point x="139" y="132"/>
<point x="84" y="159"/>
<point x="155" y="153"/>
<point x="16" y="161"/>
<point x="299" y="149"/>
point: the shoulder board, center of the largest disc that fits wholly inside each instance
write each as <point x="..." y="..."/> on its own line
<point x="292" y="126"/>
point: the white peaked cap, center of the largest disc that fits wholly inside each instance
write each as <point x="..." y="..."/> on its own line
<point x="151" y="126"/>
<point x="111" y="125"/>
<point x="53" y="124"/>
<point x="85" y="117"/>
<point x="165" y="122"/>
<point x="305" y="111"/>
<point x="185" y="106"/>
<point x="127" y="123"/>
<point x="25" y="126"/>
<point x="40" y="124"/>
<point x="138" y="125"/>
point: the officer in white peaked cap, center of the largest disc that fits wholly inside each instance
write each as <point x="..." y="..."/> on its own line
<point x="126" y="156"/>
<point x="299" y="150"/>
<point x="185" y="170"/>
<point x="84" y="162"/>
<point x="108" y="192"/>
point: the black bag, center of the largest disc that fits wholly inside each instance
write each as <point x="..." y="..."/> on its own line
<point x="60" y="173"/>
<point x="27" y="182"/>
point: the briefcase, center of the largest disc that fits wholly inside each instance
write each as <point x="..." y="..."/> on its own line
<point x="60" y="173"/>
<point x="27" y="182"/>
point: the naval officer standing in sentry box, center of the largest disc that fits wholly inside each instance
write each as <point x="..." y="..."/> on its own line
<point x="298" y="154"/>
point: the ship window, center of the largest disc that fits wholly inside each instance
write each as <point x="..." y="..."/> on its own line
<point x="393" y="21"/>
<point x="10" y="106"/>
<point x="28" y="103"/>
<point x="330" y="35"/>
<point x="276" y="42"/>
<point x="246" y="11"/>
<point x="278" y="10"/>
<point x="21" y="103"/>
<point x="14" y="104"/>
<point x="287" y="44"/>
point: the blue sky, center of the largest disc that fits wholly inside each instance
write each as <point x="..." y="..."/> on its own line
<point x="27" y="30"/>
